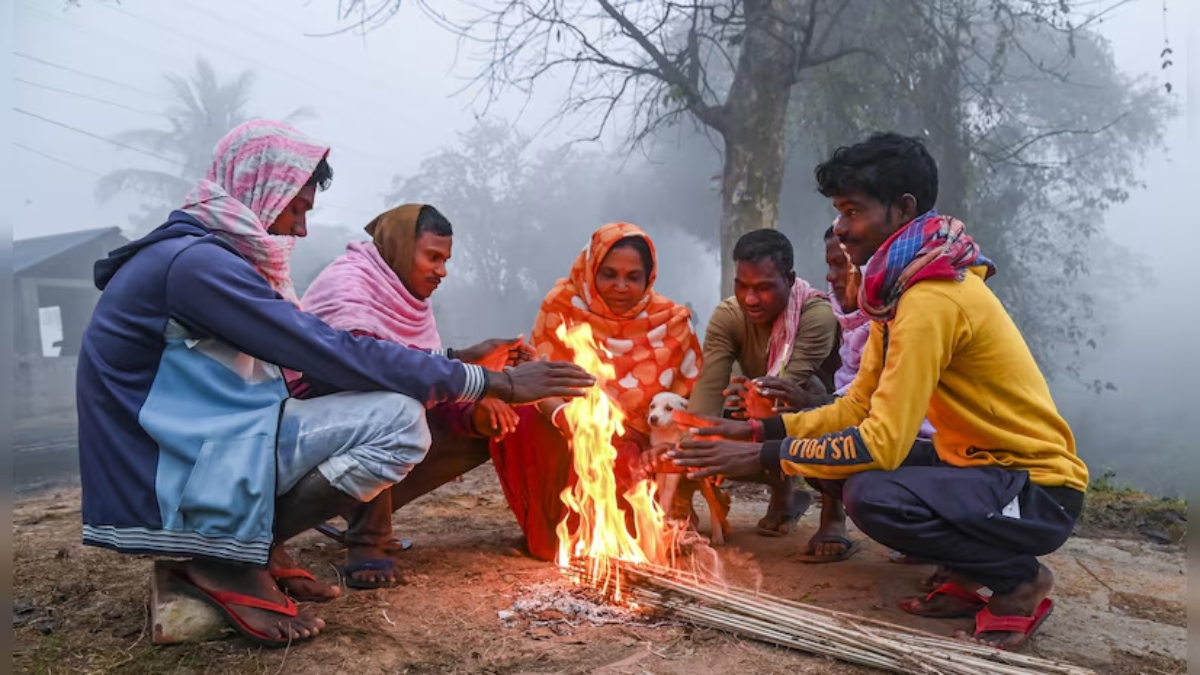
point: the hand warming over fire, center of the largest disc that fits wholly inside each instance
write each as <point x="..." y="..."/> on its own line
<point x="704" y="426"/>
<point x="702" y="459"/>
<point x="496" y="353"/>
<point x="534" y="381"/>
<point x="654" y="461"/>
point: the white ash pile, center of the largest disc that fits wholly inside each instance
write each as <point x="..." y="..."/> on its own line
<point x="550" y="603"/>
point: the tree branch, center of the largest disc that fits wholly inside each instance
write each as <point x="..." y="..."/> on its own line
<point x="713" y="116"/>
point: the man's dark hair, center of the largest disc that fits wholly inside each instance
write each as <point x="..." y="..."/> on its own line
<point x="883" y="167"/>
<point x="765" y="244"/>
<point x="431" y="220"/>
<point x="829" y="234"/>
<point x="322" y="176"/>
<point x="643" y="250"/>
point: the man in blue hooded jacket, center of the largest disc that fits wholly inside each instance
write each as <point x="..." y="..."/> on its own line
<point x="189" y="446"/>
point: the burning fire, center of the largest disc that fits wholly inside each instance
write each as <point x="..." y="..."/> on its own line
<point x="600" y="538"/>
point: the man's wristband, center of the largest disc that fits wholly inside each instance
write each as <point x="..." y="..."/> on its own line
<point x="756" y="431"/>
<point x="450" y="354"/>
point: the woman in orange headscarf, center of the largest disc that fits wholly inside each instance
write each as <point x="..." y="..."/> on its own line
<point x="653" y="349"/>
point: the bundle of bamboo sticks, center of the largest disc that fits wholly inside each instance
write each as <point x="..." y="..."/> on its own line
<point x="812" y="629"/>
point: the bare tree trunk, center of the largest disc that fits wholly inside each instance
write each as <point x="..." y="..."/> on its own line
<point x="953" y="157"/>
<point x="755" y="113"/>
<point x="944" y="116"/>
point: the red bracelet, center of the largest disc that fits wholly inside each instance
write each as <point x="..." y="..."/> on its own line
<point x="756" y="431"/>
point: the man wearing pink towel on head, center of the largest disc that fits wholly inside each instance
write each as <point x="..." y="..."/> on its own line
<point x="381" y="289"/>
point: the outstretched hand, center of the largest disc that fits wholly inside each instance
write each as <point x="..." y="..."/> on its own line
<point x="654" y="461"/>
<point x="534" y="381"/>
<point x="705" y="426"/>
<point x="704" y="458"/>
<point x="497" y="353"/>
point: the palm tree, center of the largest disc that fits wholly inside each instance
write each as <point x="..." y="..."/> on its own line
<point x="204" y="109"/>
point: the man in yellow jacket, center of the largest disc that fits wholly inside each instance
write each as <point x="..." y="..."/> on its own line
<point x="1004" y="484"/>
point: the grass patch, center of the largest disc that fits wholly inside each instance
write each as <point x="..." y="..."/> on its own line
<point x="1116" y="509"/>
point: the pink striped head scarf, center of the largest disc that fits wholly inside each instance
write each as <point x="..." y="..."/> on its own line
<point x="258" y="169"/>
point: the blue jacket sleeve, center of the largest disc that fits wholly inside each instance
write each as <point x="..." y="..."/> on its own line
<point x="219" y="294"/>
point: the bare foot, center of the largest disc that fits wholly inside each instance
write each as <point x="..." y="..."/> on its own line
<point x="939" y="577"/>
<point x="1026" y="601"/>
<point x="830" y="539"/>
<point x="255" y="583"/>
<point x="369" y="567"/>
<point x="787" y="506"/>
<point x="955" y="597"/>
<point x="299" y="587"/>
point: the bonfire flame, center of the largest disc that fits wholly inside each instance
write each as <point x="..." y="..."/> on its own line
<point x="601" y="538"/>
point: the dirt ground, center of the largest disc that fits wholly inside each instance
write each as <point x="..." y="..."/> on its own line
<point x="1120" y="603"/>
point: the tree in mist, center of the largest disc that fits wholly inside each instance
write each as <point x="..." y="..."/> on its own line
<point x="520" y="217"/>
<point x="727" y="65"/>
<point x="1036" y="133"/>
<point x="203" y="110"/>
<point x="730" y="65"/>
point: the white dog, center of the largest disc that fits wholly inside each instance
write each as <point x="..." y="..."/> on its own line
<point x="676" y="486"/>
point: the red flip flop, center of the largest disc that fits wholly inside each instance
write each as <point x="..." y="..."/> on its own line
<point x="986" y="622"/>
<point x="974" y="601"/>
<point x="222" y="600"/>
<point x="297" y="573"/>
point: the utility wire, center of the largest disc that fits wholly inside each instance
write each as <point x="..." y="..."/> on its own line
<point x="83" y="74"/>
<point x="90" y="98"/>
<point x="374" y="157"/>
<point x="52" y="158"/>
<point x="98" y="137"/>
<point x="108" y="37"/>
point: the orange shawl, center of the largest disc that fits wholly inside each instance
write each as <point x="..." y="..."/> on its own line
<point x="653" y="346"/>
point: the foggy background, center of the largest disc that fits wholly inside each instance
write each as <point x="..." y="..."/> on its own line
<point x="96" y="85"/>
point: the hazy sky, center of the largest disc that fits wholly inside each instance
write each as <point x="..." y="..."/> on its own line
<point x="384" y="102"/>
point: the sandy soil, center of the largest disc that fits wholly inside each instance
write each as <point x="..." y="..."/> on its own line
<point x="1120" y="603"/>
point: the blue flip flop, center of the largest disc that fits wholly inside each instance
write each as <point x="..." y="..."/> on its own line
<point x="378" y="565"/>
<point x="394" y="545"/>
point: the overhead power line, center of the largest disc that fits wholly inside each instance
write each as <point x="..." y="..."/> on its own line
<point x="52" y="158"/>
<point x="98" y="137"/>
<point x="89" y="98"/>
<point x="81" y="73"/>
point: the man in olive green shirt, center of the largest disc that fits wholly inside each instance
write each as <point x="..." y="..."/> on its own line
<point x="768" y="300"/>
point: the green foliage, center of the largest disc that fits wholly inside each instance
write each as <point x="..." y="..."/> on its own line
<point x="1116" y="509"/>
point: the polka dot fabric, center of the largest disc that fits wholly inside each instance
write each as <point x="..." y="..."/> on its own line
<point x="653" y="346"/>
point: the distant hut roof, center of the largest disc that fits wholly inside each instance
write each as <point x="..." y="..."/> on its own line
<point x="30" y="253"/>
